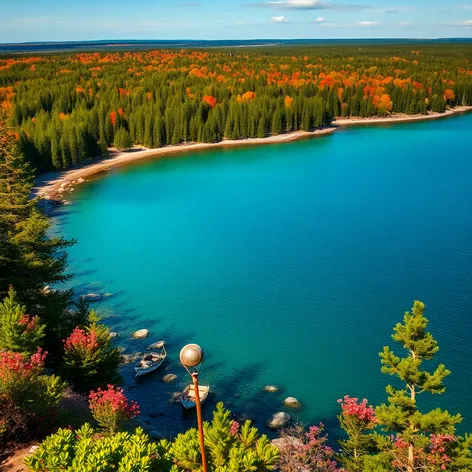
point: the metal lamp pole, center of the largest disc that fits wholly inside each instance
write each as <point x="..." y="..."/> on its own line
<point x="191" y="357"/>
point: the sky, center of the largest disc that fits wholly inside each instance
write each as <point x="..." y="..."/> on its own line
<point x="65" y="20"/>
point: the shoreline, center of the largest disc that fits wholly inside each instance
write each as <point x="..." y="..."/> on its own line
<point x="55" y="185"/>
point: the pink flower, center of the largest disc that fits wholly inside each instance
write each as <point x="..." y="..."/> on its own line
<point x="234" y="428"/>
<point x="352" y="407"/>
<point x="79" y="339"/>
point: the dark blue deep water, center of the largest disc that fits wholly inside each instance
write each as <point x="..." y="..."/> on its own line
<point x="290" y="264"/>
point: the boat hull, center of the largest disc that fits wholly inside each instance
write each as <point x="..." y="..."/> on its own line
<point x="188" y="402"/>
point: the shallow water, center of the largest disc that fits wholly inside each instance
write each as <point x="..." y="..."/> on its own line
<point x="288" y="263"/>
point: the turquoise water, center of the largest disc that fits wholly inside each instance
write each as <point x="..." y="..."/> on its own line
<point x="290" y="264"/>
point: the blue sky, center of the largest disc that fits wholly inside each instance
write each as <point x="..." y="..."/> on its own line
<point x="54" y="20"/>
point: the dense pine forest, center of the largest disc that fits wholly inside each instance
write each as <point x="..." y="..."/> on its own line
<point x="72" y="107"/>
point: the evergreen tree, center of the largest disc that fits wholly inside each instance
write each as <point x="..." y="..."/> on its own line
<point x="29" y="258"/>
<point x="122" y="139"/>
<point x="19" y="332"/>
<point x="401" y="414"/>
<point x="90" y="361"/>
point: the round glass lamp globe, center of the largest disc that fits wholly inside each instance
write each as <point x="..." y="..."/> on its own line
<point x="191" y="355"/>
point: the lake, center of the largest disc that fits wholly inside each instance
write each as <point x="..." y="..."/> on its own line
<point x="289" y="264"/>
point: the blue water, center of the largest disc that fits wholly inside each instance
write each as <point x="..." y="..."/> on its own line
<point x="289" y="264"/>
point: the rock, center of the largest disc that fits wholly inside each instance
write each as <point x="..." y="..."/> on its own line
<point x="63" y="185"/>
<point x="271" y="388"/>
<point x="33" y="449"/>
<point x="292" y="402"/>
<point x="278" y="420"/>
<point x="141" y="333"/>
<point x="92" y="297"/>
<point x="169" y="378"/>
<point x="80" y="180"/>
<point x="114" y="334"/>
<point x="175" y="397"/>
<point x="128" y="358"/>
<point x="156" y="435"/>
<point x="286" y="442"/>
<point x="47" y="289"/>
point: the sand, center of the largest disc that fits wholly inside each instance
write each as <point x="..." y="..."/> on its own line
<point x="58" y="184"/>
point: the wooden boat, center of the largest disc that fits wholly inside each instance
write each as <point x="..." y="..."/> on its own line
<point x="152" y="360"/>
<point x="188" y="395"/>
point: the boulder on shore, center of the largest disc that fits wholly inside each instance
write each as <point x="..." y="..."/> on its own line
<point x="271" y="388"/>
<point x="92" y="297"/>
<point x="141" y="333"/>
<point x="292" y="402"/>
<point x="113" y="334"/>
<point x="286" y="442"/>
<point x="278" y="420"/>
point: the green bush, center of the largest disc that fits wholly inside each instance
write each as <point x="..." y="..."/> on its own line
<point x="229" y="446"/>
<point x="85" y="450"/>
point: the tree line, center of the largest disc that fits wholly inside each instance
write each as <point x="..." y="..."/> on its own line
<point x="72" y="107"/>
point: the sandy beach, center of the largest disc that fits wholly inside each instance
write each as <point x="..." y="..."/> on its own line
<point x="57" y="185"/>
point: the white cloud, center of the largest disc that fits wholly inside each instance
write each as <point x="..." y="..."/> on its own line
<point x="368" y="23"/>
<point x="278" y="19"/>
<point x="319" y="20"/>
<point x="466" y="24"/>
<point x="308" y="5"/>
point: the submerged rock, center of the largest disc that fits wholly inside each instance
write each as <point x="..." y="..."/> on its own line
<point x="271" y="388"/>
<point x="141" y="333"/>
<point x="175" y="397"/>
<point x="92" y="297"/>
<point x="128" y="358"/>
<point x="278" y="420"/>
<point x="169" y="378"/>
<point x="156" y="435"/>
<point x="292" y="402"/>
<point x="114" y="334"/>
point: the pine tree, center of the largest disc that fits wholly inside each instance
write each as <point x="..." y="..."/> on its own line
<point x="19" y="332"/>
<point x="90" y="361"/>
<point x="401" y="414"/>
<point x="29" y="257"/>
<point x="122" y="139"/>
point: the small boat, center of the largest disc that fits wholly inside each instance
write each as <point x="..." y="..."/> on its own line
<point x="188" y="395"/>
<point x="152" y="360"/>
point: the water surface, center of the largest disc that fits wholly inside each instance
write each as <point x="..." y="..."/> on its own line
<point x="289" y="263"/>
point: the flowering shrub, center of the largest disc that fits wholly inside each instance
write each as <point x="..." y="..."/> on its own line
<point x="353" y="408"/>
<point x="27" y="394"/>
<point x="90" y="361"/>
<point x="356" y="418"/>
<point x="80" y="340"/>
<point x="439" y="452"/>
<point x="111" y="409"/>
<point x="306" y="450"/>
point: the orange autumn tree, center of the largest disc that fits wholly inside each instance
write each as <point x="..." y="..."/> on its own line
<point x="211" y="101"/>
<point x="385" y="104"/>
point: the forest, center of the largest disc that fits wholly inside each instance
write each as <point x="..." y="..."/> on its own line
<point x="70" y="107"/>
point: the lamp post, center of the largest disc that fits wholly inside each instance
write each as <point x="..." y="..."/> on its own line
<point x="191" y="357"/>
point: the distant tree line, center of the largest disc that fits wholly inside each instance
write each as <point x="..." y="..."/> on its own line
<point x="70" y="108"/>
